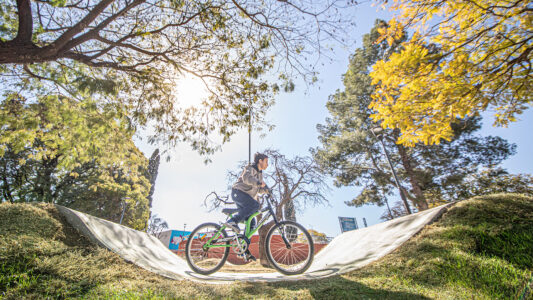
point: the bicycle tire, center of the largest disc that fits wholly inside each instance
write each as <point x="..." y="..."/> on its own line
<point x="270" y="256"/>
<point x="188" y="247"/>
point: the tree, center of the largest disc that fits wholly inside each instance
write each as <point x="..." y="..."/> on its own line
<point x="351" y="153"/>
<point x="318" y="237"/>
<point x="495" y="180"/>
<point x="107" y="192"/>
<point x="295" y="183"/>
<point x="156" y="225"/>
<point x="133" y="51"/>
<point x="74" y="154"/>
<point x="488" y="181"/>
<point x="151" y="174"/>
<point x="396" y="210"/>
<point x="464" y="58"/>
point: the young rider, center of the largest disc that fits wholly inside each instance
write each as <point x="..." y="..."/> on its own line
<point x="244" y="192"/>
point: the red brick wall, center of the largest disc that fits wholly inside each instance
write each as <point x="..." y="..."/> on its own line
<point x="254" y="249"/>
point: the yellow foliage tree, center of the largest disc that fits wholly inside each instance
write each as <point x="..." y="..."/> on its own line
<point x="318" y="237"/>
<point x="464" y="57"/>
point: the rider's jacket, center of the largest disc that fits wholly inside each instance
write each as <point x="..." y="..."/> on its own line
<point x="250" y="181"/>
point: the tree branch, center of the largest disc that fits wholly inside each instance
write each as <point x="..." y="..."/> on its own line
<point x="93" y="33"/>
<point x="61" y="41"/>
<point x="25" y="22"/>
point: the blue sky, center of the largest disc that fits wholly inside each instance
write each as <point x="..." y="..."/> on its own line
<point x="183" y="183"/>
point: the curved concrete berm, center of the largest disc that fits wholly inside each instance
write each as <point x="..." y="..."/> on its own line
<point x="347" y="252"/>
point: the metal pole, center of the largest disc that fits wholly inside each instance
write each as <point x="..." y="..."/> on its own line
<point x="402" y="195"/>
<point x="396" y="179"/>
<point x="250" y="131"/>
<point x="124" y="204"/>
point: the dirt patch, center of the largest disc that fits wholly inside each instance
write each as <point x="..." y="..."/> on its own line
<point x="253" y="267"/>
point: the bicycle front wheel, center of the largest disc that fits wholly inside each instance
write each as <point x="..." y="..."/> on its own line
<point x="204" y="253"/>
<point x="289" y="248"/>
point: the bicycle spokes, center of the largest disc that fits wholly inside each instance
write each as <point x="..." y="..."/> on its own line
<point x="206" y="248"/>
<point x="290" y="247"/>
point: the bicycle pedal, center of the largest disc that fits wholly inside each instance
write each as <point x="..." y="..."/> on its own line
<point x="247" y="258"/>
<point x="251" y="257"/>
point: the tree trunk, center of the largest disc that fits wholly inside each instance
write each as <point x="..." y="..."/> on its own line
<point x="262" y="247"/>
<point x="7" y="192"/>
<point x="263" y="231"/>
<point x="44" y="189"/>
<point x="289" y="211"/>
<point x="420" y="200"/>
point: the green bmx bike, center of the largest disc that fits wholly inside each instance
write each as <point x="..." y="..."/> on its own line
<point x="289" y="247"/>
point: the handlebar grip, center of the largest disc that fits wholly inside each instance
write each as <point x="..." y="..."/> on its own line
<point x="268" y="189"/>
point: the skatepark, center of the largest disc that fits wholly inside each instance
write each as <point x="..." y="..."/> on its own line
<point x="347" y="252"/>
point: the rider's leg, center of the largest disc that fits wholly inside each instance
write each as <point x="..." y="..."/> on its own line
<point x="246" y="205"/>
<point x="249" y="256"/>
<point x="252" y="223"/>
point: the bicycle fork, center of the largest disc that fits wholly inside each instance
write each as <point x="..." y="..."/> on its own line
<point x="282" y="230"/>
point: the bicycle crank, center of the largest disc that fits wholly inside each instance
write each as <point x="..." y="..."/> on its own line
<point x="242" y="243"/>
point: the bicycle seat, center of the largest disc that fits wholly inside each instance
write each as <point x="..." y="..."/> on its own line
<point x="229" y="211"/>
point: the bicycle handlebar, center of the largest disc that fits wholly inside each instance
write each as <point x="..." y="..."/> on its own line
<point x="269" y="193"/>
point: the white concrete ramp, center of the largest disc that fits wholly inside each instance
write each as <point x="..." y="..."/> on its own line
<point x="347" y="252"/>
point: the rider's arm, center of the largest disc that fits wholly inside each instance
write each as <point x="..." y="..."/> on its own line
<point x="248" y="178"/>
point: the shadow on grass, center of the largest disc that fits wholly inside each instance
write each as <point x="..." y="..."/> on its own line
<point x="484" y="245"/>
<point x="336" y="287"/>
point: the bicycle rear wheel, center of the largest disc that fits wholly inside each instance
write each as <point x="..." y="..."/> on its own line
<point x="298" y="256"/>
<point x="203" y="258"/>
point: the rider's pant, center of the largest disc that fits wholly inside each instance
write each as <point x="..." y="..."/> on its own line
<point x="245" y="204"/>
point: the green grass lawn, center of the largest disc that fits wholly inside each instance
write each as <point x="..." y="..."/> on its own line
<point x="481" y="248"/>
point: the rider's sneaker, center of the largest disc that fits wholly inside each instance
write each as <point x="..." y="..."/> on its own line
<point x="233" y="226"/>
<point x="249" y="256"/>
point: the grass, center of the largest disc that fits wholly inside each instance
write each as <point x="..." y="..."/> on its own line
<point x="481" y="248"/>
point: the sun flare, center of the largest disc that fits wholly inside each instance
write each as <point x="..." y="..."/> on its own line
<point x="190" y="91"/>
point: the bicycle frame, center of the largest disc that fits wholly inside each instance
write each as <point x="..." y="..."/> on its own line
<point x="247" y="232"/>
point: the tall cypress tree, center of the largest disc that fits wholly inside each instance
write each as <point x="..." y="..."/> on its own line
<point x="153" y="168"/>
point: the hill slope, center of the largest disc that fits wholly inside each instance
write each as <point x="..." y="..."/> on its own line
<point x="481" y="248"/>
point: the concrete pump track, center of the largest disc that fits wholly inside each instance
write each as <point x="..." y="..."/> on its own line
<point x="347" y="252"/>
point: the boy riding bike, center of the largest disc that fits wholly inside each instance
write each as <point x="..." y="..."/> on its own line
<point x="288" y="245"/>
<point x="245" y="191"/>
